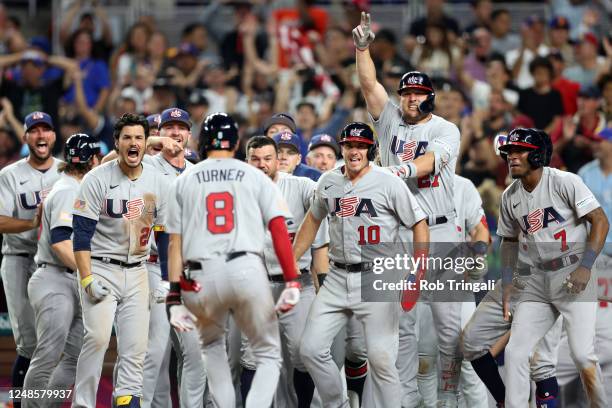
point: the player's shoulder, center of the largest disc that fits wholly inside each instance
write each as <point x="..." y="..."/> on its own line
<point x="384" y="175"/>
<point x="511" y="190"/>
<point x="63" y="185"/>
<point x="442" y="124"/>
<point x="290" y="179"/>
<point x="561" y="177"/>
<point x="102" y="172"/>
<point x="331" y="176"/>
<point x="13" y="167"/>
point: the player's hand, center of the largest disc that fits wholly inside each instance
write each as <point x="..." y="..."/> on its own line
<point x="288" y="297"/>
<point x="160" y="292"/>
<point x="170" y="146"/>
<point x="181" y="318"/>
<point x="95" y="289"/>
<point x="507" y="291"/>
<point x="37" y="217"/>
<point x="480" y="268"/>
<point x="411" y="295"/>
<point x="362" y="34"/>
<point x="578" y="280"/>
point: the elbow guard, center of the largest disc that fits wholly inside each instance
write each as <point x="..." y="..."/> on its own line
<point x="84" y="229"/>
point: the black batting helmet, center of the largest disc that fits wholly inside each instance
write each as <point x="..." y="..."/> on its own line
<point x="359" y="132"/>
<point x="532" y="139"/>
<point x="420" y="81"/>
<point x="219" y="132"/>
<point x="80" y="148"/>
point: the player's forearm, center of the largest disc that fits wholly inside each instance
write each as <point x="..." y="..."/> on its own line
<point x="421" y="166"/>
<point x="63" y="250"/>
<point x="320" y="260"/>
<point x="175" y="258"/>
<point x="366" y="71"/>
<point x="9" y="225"/>
<point x="480" y="233"/>
<point x="83" y="263"/>
<point x="420" y="233"/>
<point x="599" y="229"/>
<point x="509" y="255"/>
<point x="305" y="235"/>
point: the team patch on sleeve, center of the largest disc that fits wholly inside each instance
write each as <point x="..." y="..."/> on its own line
<point x="585" y="201"/>
<point x="80" y="205"/>
<point x="64" y="216"/>
<point x="159" y="228"/>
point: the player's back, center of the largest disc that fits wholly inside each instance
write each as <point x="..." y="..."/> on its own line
<point x="222" y="206"/>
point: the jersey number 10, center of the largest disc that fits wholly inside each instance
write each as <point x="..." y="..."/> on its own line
<point x="220" y="212"/>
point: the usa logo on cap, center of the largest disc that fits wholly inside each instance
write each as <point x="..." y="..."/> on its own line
<point x="38" y="115"/>
<point x="356" y="132"/>
<point x="326" y="138"/>
<point x="415" y="80"/>
<point x="176" y="113"/>
<point x="286" y="136"/>
<point x="157" y="119"/>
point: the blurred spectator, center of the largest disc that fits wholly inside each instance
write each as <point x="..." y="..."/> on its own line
<point x="29" y="93"/>
<point x="532" y="45"/>
<point x="434" y="15"/>
<point x="141" y="89"/>
<point x="568" y="89"/>
<point x="131" y="54"/>
<point x="186" y="70"/>
<point x="197" y="35"/>
<point x="605" y="85"/>
<point x="164" y="95"/>
<point x="589" y="64"/>
<point x="8" y="119"/>
<point x="574" y="11"/>
<point x="575" y="138"/>
<point x="221" y="97"/>
<point x="558" y="38"/>
<point x="96" y="78"/>
<point x="384" y="51"/>
<point x="391" y="76"/>
<point x="9" y="147"/>
<point x="120" y="106"/>
<point x="475" y="62"/>
<point x="95" y="21"/>
<point x="335" y="51"/>
<point x="478" y="161"/>
<point x="323" y="152"/>
<point x="502" y="39"/>
<point x="451" y="103"/>
<point x="541" y="102"/>
<point x="198" y="108"/>
<point x="482" y="10"/>
<point x="157" y="51"/>
<point x="437" y="53"/>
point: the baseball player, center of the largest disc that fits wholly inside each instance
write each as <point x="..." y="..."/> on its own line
<point x="422" y="149"/>
<point x="541" y="207"/>
<point x="290" y="159"/>
<point x="53" y="289"/>
<point x="118" y="205"/>
<point x="323" y="151"/>
<point x="24" y="185"/>
<point x="471" y="223"/>
<point x="366" y="205"/>
<point x="218" y="212"/>
<point x="262" y="153"/>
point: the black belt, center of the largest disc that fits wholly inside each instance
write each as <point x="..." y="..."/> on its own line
<point x="437" y="220"/>
<point x="194" y="266"/>
<point x="44" y="265"/>
<point x="116" y="262"/>
<point x="356" y="267"/>
<point x="558" y="263"/>
<point x="281" y="277"/>
<point x="22" y="255"/>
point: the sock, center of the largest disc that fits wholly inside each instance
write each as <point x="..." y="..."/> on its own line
<point x="546" y="393"/>
<point x="304" y="388"/>
<point x="246" y="379"/>
<point x="486" y="368"/>
<point x="20" y="368"/>
<point x="355" y="373"/>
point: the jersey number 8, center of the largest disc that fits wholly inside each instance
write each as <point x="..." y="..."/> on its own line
<point x="220" y="212"/>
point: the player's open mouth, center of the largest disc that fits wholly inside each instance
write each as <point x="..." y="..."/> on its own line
<point x="42" y="147"/>
<point x="133" y="153"/>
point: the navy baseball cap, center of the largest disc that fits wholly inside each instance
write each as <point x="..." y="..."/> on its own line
<point x="591" y="92"/>
<point x="36" y="118"/>
<point x="324" y="140"/>
<point x="279" y="119"/>
<point x="287" y="138"/>
<point x="154" y="120"/>
<point x="187" y="49"/>
<point x="174" y="115"/>
<point x="559" y="23"/>
<point x="33" y="56"/>
<point x="605" y="134"/>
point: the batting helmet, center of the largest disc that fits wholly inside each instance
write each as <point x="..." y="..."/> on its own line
<point x="532" y="139"/>
<point x="80" y="148"/>
<point x="420" y="81"/>
<point x="359" y="132"/>
<point x="219" y="132"/>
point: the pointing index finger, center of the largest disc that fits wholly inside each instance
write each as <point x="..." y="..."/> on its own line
<point x="363" y="18"/>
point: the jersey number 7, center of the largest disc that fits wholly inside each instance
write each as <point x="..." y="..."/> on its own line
<point x="220" y="212"/>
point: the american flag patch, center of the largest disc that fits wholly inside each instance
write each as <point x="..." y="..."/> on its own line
<point x="224" y="144"/>
<point x="79" y="204"/>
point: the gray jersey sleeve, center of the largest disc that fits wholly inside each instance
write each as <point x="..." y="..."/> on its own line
<point x="473" y="207"/>
<point x="319" y="206"/>
<point x="7" y="202"/>
<point x="507" y="226"/>
<point x="578" y="194"/>
<point x="271" y="201"/>
<point x="445" y="146"/>
<point x="90" y="198"/>
<point x="61" y="215"/>
<point x="173" y="209"/>
<point x="388" y="119"/>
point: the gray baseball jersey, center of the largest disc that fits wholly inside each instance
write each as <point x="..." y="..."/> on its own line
<point x="125" y="210"/>
<point x="468" y="205"/>
<point x="22" y="188"/>
<point x="230" y="201"/>
<point x="298" y="192"/>
<point x="368" y="212"/>
<point x="57" y="212"/>
<point x="550" y="213"/>
<point x="401" y="143"/>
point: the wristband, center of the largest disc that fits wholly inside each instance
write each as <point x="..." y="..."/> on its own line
<point x="321" y="278"/>
<point x="588" y="259"/>
<point x="86" y="281"/>
<point x="480" y="247"/>
<point x="412" y="170"/>
<point x="506" y="275"/>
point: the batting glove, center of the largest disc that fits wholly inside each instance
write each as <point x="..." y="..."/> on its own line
<point x="160" y="292"/>
<point x="411" y="295"/>
<point x="362" y="34"/>
<point x="289" y="297"/>
<point x="182" y="319"/>
<point x="94" y="288"/>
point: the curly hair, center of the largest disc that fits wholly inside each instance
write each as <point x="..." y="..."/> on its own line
<point x="130" y="119"/>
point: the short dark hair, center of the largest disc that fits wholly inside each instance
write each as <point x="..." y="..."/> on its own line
<point x="603" y="81"/>
<point x="386" y="35"/>
<point x="541" y="62"/>
<point x="257" y="142"/>
<point x="130" y="119"/>
<point x="498" y="12"/>
<point x="190" y="28"/>
<point x="309" y="104"/>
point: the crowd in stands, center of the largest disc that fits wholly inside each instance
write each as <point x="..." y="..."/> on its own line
<point x="256" y="58"/>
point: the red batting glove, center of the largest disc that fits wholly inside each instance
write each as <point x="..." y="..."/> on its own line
<point x="289" y="297"/>
<point x="411" y="296"/>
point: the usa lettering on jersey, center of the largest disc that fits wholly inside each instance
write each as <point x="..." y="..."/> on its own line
<point x="353" y="207"/>
<point x="539" y="219"/>
<point x="123" y="208"/>
<point x="30" y="200"/>
<point x="408" y="150"/>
